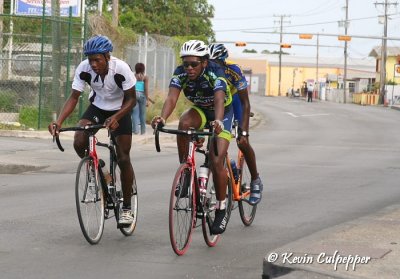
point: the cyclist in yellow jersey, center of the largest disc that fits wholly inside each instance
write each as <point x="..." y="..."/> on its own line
<point x="241" y="109"/>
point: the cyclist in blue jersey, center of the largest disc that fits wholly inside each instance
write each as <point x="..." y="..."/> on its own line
<point x="112" y="98"/>
<point x="203" y="83"/>
<point x="241" y="109"/>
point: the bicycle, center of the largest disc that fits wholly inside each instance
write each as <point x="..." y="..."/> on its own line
<point x="98" y="190"/>
<point x="239" y="179"/>
<point x="193" y="194"/>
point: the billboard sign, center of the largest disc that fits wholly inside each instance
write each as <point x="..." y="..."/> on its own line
<point x="35" y="7"/>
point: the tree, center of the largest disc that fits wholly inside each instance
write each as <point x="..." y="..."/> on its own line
<point x="249" y="51"/>
<point x="165" y="17"/>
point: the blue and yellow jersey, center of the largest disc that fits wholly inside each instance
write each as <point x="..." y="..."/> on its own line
<point x="201" y="91"/>
<point x="234" y="76"/>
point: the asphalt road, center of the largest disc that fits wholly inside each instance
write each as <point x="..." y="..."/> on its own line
<point x="322" y="164"/>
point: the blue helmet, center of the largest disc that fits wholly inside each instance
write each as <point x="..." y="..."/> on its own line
<point x="97" y="45"/>
<point x="217" y="51"/>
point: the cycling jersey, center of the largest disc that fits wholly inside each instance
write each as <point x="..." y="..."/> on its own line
<point x="236" y="82"/>
<point x="108" y="94"/>
<point x="201" y="91"/>
<point x="235" y="78"/>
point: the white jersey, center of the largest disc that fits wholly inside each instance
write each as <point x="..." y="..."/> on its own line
<point x="107" y="95"/>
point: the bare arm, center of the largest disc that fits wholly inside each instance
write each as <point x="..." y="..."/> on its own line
<point x="219" y="98"/>
<point x="146" y="87"/>
<point x="67" y="109"/>
<point x="127" y="105"/>
<point x="244" y="100"/>
<point x="168" y="107"/>
<point x="170" y="102"/>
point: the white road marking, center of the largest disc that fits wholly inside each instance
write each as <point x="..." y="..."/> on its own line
<point x="292" y="114"/>
<point x="306" y="115"/>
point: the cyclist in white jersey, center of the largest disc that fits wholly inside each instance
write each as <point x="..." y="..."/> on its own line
<point x="112" y="98"/>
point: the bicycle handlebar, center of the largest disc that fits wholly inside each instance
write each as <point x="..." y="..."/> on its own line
<point x="77" y="128"/>
<point x="190" y="132"/>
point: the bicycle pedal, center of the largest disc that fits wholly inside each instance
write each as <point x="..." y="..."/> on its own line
<point x="110" y="206"/>
<point x="199" y="215"/>
<point x="120" y="226"/>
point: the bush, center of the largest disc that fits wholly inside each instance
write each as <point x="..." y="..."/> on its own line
<point x="8" y="101"/>
<point x="159" y="98"/>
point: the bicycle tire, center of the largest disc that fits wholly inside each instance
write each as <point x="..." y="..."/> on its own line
<point x="209" y="206"/>
<point x="247" y="211"/>
<point x="126" y="230"/>
<point x="89" y="201"/>
<point x="182" y="210"/>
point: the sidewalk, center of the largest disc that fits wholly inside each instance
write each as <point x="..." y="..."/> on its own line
<point x="368" y="247"/>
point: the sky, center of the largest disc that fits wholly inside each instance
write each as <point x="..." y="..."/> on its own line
<point x="236" y="20"/>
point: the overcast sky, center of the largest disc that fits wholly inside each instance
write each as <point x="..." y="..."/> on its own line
<point x="233" y="17"/>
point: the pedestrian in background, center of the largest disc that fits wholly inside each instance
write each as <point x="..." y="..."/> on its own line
<point x="309" y="93"/>
<point x="142" y="97"/>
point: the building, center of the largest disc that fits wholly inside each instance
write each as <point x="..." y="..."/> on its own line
<point x="327" y="73"/>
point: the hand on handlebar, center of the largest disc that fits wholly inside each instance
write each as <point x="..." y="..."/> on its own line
<point x="54" y="128"/>
<point x="111" y="123"/>
<point x="218" y="126"/>
<point x="157" y="121"/>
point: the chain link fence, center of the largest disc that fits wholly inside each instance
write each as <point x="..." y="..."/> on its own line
<point x="38" y="57"/>
<point x="157" y="53"/>
<point x="37" y="60"/>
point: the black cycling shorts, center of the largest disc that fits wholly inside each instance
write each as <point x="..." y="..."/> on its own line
<point x="98" y="116"/>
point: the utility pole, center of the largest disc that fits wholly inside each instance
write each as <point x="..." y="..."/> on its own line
<point x="382" y="91"/>
<point x="345" y="24"/>
<point x="115" y="13"/>
<point x="281" y="21"/>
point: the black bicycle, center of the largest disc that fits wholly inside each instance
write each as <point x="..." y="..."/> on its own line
<point x="98" y="190"/>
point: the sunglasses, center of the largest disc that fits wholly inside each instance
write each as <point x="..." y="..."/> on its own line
<point x="192" y="64"/>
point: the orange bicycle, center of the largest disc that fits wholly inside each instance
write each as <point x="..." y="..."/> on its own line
<point x="240" y="178"/>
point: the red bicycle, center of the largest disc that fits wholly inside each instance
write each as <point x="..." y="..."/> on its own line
<point x="192" y="194"/>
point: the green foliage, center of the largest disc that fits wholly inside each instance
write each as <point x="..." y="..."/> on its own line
<point x="29" y="116"/>
<point x="164" y="17"/>
<point x="8" y="101"/>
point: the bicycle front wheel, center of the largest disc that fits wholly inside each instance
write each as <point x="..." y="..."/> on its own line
<point x="209" y="206"/>
<point x="247" y="211"/>
<point x="182" y="209"/>
<point x="89" y="201"/>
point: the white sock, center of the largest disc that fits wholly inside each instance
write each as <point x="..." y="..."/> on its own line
<point x="221" y="205"/>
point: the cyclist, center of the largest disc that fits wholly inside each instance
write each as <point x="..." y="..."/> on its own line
<point x="112" y="98"/>
<point x="203" y="83"/>
<point x="241" y="109"/>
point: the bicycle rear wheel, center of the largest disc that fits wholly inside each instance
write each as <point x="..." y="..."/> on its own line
<point x="126" y="230"/>
<point x="89" y="201"/>
<point x="182" y="209"/>
<point x="247" y="211"/>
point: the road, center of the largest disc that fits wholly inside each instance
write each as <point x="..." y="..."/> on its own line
<point x="322" y="164"/>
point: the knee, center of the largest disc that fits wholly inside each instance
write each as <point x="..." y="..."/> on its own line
<point x="124" y="161"/>
<point x="184" y="124"/>
<point x="80" y="147"/>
